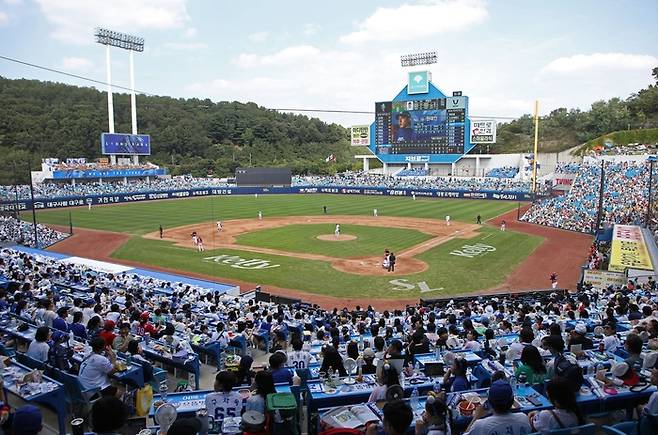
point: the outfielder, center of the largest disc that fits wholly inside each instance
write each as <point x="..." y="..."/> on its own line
<point x="337" y="231"/>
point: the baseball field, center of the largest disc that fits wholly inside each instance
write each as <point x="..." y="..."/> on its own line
<point x="294" y="245"/>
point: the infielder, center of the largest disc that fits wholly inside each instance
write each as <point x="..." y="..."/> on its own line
<point x="260" y="215"/>
<point x="374" y="212"/>
<point x="220" y="227"/>
<point x="448" y="220"/>
<point x="503" y="225"/>
<point x="199" y="245"/>
<point x="337" y="231"/>
<point x="195" y="238"/>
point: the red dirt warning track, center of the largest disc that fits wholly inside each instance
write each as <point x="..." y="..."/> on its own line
<point x="562" y="252"/>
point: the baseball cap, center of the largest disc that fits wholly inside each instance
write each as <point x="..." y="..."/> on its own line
<point x="580" y="328"/>
<point x="500" y="393"/>
<point x="27" y="420"/>
<point x="368" y="353"/>
<point x="624" y="372"/>
<point x="90" y="301"/>
<point x="145" y="315"/>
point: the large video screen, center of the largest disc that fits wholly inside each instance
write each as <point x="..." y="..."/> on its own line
<point x="420" y="126"/>
<point x="130" y="144"/>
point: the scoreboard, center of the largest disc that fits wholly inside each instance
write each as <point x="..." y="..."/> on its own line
<point x="430" y="126"/>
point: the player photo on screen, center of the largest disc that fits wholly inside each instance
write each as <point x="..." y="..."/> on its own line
<point x="418" y="126"/>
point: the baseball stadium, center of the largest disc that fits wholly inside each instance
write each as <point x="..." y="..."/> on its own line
<point x="198" y="266"/>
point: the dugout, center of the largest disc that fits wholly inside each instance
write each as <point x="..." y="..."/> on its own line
<point x="263" y="177"/>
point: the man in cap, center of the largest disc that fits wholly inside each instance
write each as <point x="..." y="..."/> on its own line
<point x="578" y="336"/>
<point x="501" y="399"/>
<point x="27" y="421"/>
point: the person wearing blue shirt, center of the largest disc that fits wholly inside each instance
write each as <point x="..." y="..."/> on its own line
<point x="60" y="322"/>
<point x="455" y="376"/>
<point x="77" y="328"/>
<point x="404" y="132"/>
<point x="280" y="373"/>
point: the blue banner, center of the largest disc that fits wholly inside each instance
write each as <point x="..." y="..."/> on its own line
<point x="109" y="173"/>
<point x="73" y="201"/>
<point x="123" y="143"/>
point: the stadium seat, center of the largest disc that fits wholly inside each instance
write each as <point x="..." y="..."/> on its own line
<point x="646" y="425"/>
<point x="77" y="396"/>
<point x="29" y="361"/>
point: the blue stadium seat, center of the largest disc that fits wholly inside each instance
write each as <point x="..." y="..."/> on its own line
<point x="29" y="361"/>
<point x="586" y="429"/>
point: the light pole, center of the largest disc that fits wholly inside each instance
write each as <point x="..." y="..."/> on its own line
<point x="110" y="38"/>
<point x="418" y="59"/>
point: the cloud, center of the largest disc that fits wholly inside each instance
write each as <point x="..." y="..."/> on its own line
<point x="258" y="36"/>
<point x="413" y="21"/>
<point x="73" y="21"/>
<point x="287" y="56"/>
<point x="597" y="61"/>
<point x="4" y="18"/>
<point x="311" y="29"/>
<point x="185" y="46"/>
<point x="77" y="64"/>
<point x="13" y="2"/>
<point x="190" y="32"/>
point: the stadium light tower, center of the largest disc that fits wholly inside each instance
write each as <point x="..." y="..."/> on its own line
<point x="110" y="38"/>
<point x="418" y="59"/>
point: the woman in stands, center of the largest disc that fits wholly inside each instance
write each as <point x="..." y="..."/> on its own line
<point x="94" y="327"/>
<point x="39" y="347"/>
<point x="532" y="366"/>
<point x="566" y="413"/>
<point x="264" y="384"/>
<point x="387" y="377"/>
<point x="455" y="378"/>
<point x="332" y="361"/>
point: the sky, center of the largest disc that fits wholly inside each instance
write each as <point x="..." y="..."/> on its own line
<point x="345" y="55"/>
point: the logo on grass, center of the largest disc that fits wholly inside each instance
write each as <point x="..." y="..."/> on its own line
<point x="471" y="251"/>
<point x="241" y="263"/>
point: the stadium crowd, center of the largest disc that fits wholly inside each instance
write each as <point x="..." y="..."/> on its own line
<point x="363" y="179"/>
<point x="571" y="349"/>
<point x="55" y="190"/>
<point x="503" y="172"/>
<point x="15" y="230"/>
<point x="625" y="196"/>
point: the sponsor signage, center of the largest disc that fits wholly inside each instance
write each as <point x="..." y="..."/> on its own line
<point x="604" y="279"/>
<point x="418" y="83"/>
<point x="360" y="135"/>
<point x="42" y="203"/>
<point x="128" y="144"/>
<point x="629" y="251"/>
<point x="483" y="131"/>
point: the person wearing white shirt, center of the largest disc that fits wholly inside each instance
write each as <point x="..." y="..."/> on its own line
<point x="565" y="413"/>
<point x="95" y="368"/>
<point x="39" y="347"/>
<point x="299" y="358"/>
<point x="224" y="402"/>
<point x="501" y="399"/>
<point x="610" y="341"/>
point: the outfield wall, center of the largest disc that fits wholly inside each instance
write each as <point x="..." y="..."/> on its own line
<point x="118" y="198"/>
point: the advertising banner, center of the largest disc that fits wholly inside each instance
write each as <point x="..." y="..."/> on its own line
<point x="603" y="279"/>
<point x="483" y="131"/>
<point x="76" y="201"/>
<point x="629" y="250"/>
<point x="360" y="135"/>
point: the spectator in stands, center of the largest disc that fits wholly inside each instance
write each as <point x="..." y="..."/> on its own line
<point x="224" y="402"/>
<point x="578" y="337"/>
<point x="398" y="416"/>
<point x="108" y="416"/>
<point x="107" y="333"/>
<point x="388" y="376"/>
<point x="94" y="327"/>
<point x="455" y="377"/>
<point x="633" y="346"/>
<point x="96" y="368"/>
<point x="39" y="347"/>
<point x="120" y="342"/>
<point x="526" y="337"/>
<point x="280" y="372"/>
<point x="436" y="419"/>
<point x="77" y="328"/>
<point x="566" y="413"/>
<point x="501" y="399"/>
<point x="368" y="367"/>
<point x="27" y="420"/>
<point x="332" y="361"/>
<point x="532" y="366"/>
<point x="264" y="385"/>
<point x="60" y="322"/>
<point x="299" y="358"/>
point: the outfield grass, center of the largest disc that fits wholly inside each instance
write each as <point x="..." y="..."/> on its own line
<point x="303" y="238"/>
<point x="144" y="217"/>
<point x="448" y="274"/>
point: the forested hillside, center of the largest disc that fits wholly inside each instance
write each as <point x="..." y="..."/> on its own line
<point x="566" y="128"/>
<point x="44" y="119"/>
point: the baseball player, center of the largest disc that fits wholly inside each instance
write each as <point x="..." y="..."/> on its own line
<point x="374" y="212"/>
<point x="220" y="227"/>
<point x="448" y="220"/>
<point x="195" y="238"/>
<point x="503" y="225"/>
<point x="337" y="231"/>
<point x="260" y="215"/>
<point x="199" y="244"/>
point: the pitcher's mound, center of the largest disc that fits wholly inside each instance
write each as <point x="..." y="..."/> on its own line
<point x="333" y="238"/>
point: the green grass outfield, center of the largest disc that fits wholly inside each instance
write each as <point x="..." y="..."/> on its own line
<point x="303" y="238"/>
<point x="448" y="274"/>
<point x="145" y="217"/>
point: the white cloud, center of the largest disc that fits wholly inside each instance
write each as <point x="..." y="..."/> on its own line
<point x="258" y="36"/>
<point x="185" y="46"/>
<point x="190" y="32"/>
<point x="74" y="20"/>
<point x="77" y="64"/>
<point x="283" y="57"/>
<point x="311" y="29"/>
<point x="13" y="2"/>
<point x="413" y="21"/>
<point x="597" y="61"/>
<point x="4" y="18"/>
